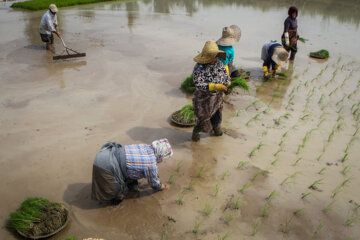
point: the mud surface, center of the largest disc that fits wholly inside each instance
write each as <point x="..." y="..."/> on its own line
<point x="282" y="137"/>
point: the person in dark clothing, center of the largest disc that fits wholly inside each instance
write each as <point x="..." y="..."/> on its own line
<point x="290" y="34"/>
<point x="274" y="55"/>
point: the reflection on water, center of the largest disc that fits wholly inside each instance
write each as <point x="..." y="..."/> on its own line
<point x="87" y="16"/>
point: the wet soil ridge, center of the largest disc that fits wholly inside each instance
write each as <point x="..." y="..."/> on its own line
<point x="38" y="217"/>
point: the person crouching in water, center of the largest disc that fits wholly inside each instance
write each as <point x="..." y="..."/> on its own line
<point x="49" y="25"/>
<point x="117" y="168"/>
<point x="274" y="55"/>
<point x="230" y="36"/>
<point x="291" y="35"/>
<point x="210" y="79"/>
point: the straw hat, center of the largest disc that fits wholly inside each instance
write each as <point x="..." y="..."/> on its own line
<point x="280" y="56"/>
<point x="230" y="36"/>
<point x="209" y="52"/>
<point x="53" y="8"/>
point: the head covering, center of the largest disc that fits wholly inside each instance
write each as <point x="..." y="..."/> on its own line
<point x="162" y="149"/>
<point x="291" y="10"/>
<point x="280" y="56"/>
<point x="230" y="36"/>
<point x="209" y="52"/>
<point x="53" y="8"/>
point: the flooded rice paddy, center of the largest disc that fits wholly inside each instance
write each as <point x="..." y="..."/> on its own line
<point x="287" y="166"/>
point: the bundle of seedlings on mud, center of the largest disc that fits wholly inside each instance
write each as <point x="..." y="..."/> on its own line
<point x="322" y="54"/>
<point x="281" y="74"/>
<point x="38" y="218"/>
<point x="239" y="82"/>
<point x="185" y="116"/>
<point x="188" y="85"/>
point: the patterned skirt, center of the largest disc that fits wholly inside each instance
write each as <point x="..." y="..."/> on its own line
<point x="206" y="104"/>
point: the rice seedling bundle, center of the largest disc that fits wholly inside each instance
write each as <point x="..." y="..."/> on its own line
<point x="188" y="84"/>
<point x="185" y="116"/>
<point x="239" y="82"/>
<point x="322" y="54"/>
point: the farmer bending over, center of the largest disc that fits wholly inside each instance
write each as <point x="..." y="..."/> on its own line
<point x="117" y="168"/>
<point x="273" y="54"/>
<point x="49" y="25"/>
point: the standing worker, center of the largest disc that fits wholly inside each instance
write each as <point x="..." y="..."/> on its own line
<point x="117" y="168"/>
<point x="210" y="79"/>
<point x="230" y="36"/>
<point x="291" y="35"/>
<point x="274" y="55"/>
<point x="49" y="25"/>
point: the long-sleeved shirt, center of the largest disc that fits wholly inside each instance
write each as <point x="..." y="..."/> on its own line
<point x="290" y="24"/>
<point x="141" y="163"/>
<point x="229" y="54"/>
<point x="208" y="73"/>
<point x="267" y="51"/>
<point x="48" y="23"/>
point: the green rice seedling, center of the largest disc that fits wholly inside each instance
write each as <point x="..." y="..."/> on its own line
<point x="196" y="228"/>
<point x="248" y="122"/>
<point x="191" y="185"/>
<point x="297" y="212"/>
<point x="356" y="132"/>
<point x="239" y="83"/>
<point x="290" y="179"/>
<point x="324" y="114"/>
<point x="172" y="178"/>
<point x="217" y="188"/>
<point x="356" y="208"/>
<point x="202" y="171"/>
<point x="188" y="84"/>
<point x="278" y="151"/>
<point x="341" y="109"/>
<point x="178" y="167"/>
<point x="275" y="161"/>
<point x="315" y="184"/>
<point x="319" y="157"/>
<point x="340" y="117"/>
<point x="321" y="172"/>
<point x="321" y="100"/>
<point x="225" y="174"/>
<point x="350" y="221"/>
<point x="328" y="207"/>
<point x="298" y="149"/>
<point x="282" y="75"/>
<point x="207" y="209"/>
<point x="345" y="158"/>
<point x="298" y="160"/>
<point x="303" y="40"/>
<point x="228" y="218"/>
<point x="341" y="100"/>
<point x="265" y="210"/>
<point x="346" y="181"/>
<point x="336" y="191"/>
<point x="242" y="164"/>
<point x="321" y="121"/>
<point x="244" y="187"/>
<point x="318" y="229"/>
<point x="238" y="202"/>
<point x="324" y="106"/>
<point x="281" y="143"/>
<point x="180" y="200"/>
<point x="257" y="148"/>
<point x="305" y="195"/>
<point x="253" y="104"/>
<point x="263" y="172"/>
<point x="331" y="135"/>
<point x="71" y="238"/>
<point x="340" y="126"/>
<point x="264" y="133"/>
<point x="255" y="227"/>
<point x="226" y="236"/>
<point x="266" y="111"/>
<point x="286" y="228"/>
<point x="346" y="170"/>
<point x="285" y="134"/>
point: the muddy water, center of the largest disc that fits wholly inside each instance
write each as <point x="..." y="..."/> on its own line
<point x="56" y="115"/>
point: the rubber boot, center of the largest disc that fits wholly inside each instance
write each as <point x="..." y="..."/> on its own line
<point x="196" y="134"/>
<point x="218" y="131"/>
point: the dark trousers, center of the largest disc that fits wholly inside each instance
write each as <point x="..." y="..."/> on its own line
<point x="215" y="122"/>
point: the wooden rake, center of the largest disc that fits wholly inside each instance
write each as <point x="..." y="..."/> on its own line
<point x="68" y="53"/>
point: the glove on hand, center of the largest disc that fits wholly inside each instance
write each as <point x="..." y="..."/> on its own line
<point x="287" y="42"/>
<point x="217" y="87"/>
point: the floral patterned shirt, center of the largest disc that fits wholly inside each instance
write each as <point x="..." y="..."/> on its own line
<point x="208" y="73"/>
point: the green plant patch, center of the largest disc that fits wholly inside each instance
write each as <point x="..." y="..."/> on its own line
<point x="44" y="4"/>
<point x="239" y="82"/>
<point x="38" y="217"/>
<point x="188" y="85"/>
<point x="282" y="75"/>
<point x="303" y="40"/>
<point x="322" y="54"/>
<point x="185" y="116"/>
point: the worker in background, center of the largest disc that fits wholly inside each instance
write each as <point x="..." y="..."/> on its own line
<point x="274" y="55"/>
<point x="117" y="168"/>
<point x="49" y="25"/>
<point x="291" y="35"/>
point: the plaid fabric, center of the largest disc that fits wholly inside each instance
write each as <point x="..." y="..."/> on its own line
<point x="141" y="163"/>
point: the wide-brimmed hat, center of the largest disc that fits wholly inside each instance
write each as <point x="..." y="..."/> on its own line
<point x="280" y="56"/>
<point x="53" y="8"/>
<point x="209" y="52"/>
<point x="230" y="36"/>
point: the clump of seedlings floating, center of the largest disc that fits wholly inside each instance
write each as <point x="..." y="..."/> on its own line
<point x="38" y="218"/>
<point x="322" y="54"/>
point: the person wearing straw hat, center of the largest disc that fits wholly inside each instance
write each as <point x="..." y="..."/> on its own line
<point x="274" y="55"/>
<point x="49" y="25"/>
<point x="230" y="36"/>
<point x="290" y="34"/>
<point x="117" y="168"/>
<point x="210" y="79"/>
